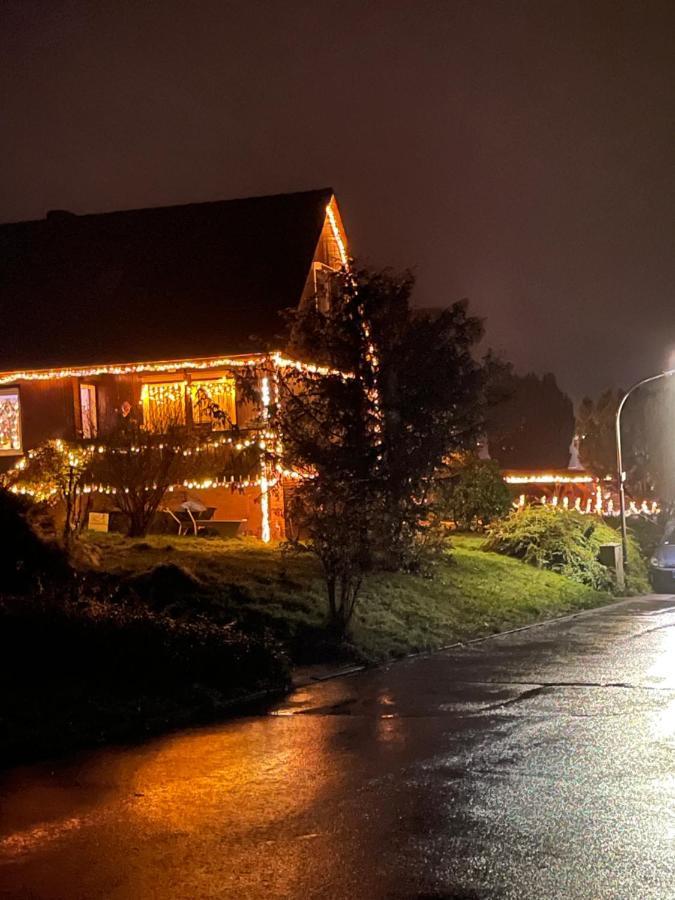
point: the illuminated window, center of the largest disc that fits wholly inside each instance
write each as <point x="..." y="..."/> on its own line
<point x="214" y="401"/>
<point x="163" y="405"/>
<point x="324" y="285"/>
<point x="10" y="421"/>
<point x="88" y="410"/>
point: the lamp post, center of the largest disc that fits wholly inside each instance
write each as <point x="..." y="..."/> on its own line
<point x="621" y="475"/>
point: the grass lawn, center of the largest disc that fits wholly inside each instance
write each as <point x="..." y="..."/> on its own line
<point x="472" y="593"/>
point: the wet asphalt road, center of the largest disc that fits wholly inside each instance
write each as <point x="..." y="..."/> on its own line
<point x="535" y="765"/>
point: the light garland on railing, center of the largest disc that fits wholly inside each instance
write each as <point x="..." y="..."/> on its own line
<point x="173" y="393"/>
<point x="536" y="478"/>
<point x="189" y="484"/>
<point x="185" y="451"/>
<point x="78" y="456"/>
<point x="594" y="505"/>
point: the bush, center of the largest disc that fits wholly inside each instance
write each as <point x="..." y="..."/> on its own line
<point x="565" y="542"/>
<point x="129" y="650"/>
<point x="475" y="496"/>
<point x="26" y="561"/>
<point x="647" y="532"/>
<point x="75" y="673"/>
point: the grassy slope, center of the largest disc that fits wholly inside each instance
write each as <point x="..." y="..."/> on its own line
<point x="473" y="593"/>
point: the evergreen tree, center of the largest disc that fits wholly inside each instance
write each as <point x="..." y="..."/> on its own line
<point x="375" y="436"/>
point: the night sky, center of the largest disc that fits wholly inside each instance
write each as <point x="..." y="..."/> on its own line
<point x="519" y="154"/>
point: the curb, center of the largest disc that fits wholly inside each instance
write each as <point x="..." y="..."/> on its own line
<point x="353" y="670"/>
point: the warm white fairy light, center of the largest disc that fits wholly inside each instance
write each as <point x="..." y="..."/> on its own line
<point x="173" y="393"/>
<point x="544" y="478"/>
<point x="342" y="250"/>
<point x="198" y="365"/>
<point x="596" y="506"/>
<point x="130" y="368"/>
<point x="190" y="484"/>
<point x="265" y="531"/>
<point x="265" y="395"/>
<point x="283" y="362"/>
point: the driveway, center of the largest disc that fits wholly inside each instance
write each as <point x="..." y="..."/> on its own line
<point x="535" y="765"/>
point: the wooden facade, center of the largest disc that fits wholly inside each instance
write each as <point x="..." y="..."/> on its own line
<point x="86" y="398"/>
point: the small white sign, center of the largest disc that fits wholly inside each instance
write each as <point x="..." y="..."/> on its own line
<point x="98" y="521"/>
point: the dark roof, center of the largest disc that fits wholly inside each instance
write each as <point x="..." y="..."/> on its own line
<point x="175" y="282"/>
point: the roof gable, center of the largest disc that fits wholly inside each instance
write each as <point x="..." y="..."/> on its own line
<point x="173" y="282"/>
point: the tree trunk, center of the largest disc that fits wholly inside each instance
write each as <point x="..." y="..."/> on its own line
<point x="341" y="612"/>
<point x="138" y="524"/>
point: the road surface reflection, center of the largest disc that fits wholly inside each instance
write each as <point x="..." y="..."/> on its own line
<point x="545" y="759"/>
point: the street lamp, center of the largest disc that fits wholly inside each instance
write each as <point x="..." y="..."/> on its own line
<point x="621" y="475"/>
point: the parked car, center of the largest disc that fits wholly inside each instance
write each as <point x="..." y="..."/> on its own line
<point x="662" y="563"/>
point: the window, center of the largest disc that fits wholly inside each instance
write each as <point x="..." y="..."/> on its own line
<point x="88" y="410"/>
<point x="163" y="404"/>
<point x="214" y="401"/>
<point x="324" y="280"/>
<point x="10" y="422"/>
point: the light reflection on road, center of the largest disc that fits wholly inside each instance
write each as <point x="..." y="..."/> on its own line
<point x="543" y="758"/>
<point x="663" y="669"/>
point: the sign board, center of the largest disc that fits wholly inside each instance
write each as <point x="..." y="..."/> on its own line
<point x="98" y="521"/>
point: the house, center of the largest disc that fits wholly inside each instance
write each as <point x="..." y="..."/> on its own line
<point x="139" y="310"/>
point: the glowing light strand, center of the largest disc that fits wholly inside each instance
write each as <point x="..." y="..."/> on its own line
<point x="265" y="533"/>
<point x="537" y="478"/>
<point x="190" y="484"/>
<point x="371" y="356"/>
<point x="595" y="505"/>
<point x="167" y="366"/>
<point x="342" y="250"/>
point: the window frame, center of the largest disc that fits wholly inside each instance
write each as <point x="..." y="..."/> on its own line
<point x="92" y="424"/>
<point x="14" y="392"/>
<point x="146" y="388"/>
<point x="198" y="381"/>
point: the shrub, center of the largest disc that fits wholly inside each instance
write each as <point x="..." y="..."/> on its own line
<point x="565" y="542"/>
<point x="647" y="533"/>
<point x="26" y="561"/>
<point x="78" y="672"/>
<point x="637" y="566"/>
<point x="474" y="496"/>
<point x="129" y="650"/>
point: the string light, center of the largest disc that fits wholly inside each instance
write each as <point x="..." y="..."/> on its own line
<point x="98" y="488"/>
<point x="200" y="365"/>
<point x="265" y="531"/>
<point x="337" y="237"/>
<point x="596" y="506"/>
<point x="284" y="362"/>
<point x="87" y="451"/>
<point x="538" y="478"/>
<point x="171" y="396"/>
<point x="131" y="368"/>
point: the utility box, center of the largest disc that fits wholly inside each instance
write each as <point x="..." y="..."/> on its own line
<point x="611" y="555"/>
